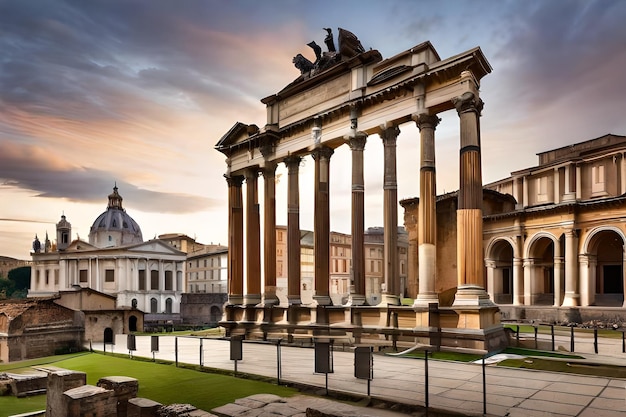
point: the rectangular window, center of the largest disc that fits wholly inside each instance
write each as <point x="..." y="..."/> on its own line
<point x="168" y="281"/>
<point x="598" y="184"/>
<point x="56" y="277"/>
<point x="47" y="276"/>
<point x="205" y="263"/>
<point x="82" y="275"/>
<point x="109" y="275"/>
<point x="154" y="280"/>
<point x="542" y="189"/>
<point x="142" y="280"/>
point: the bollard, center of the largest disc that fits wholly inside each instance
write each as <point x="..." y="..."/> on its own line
<point x="595" y="340"/>
<point x="571" y="339"/>
<point x="552" y="335"/>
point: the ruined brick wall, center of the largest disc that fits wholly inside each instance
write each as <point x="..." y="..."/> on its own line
<point x="97" y="321"/>
<point x="201" y="308"/>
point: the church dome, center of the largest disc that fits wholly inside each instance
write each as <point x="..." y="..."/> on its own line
<point x="114" y="227"/>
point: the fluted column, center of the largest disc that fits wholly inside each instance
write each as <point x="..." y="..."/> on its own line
<point x="518" y="281"/>
<point x="293" y="231"/>
<point x="389" y="135"/>
<point x="269" y="239"/>
<point x="253" y="239"/>
<point x="572" y="297"/>
<point x="427" y="211"/>
<point x="235" y="240"/>
<point x="470" y="258"/>
<point x="357" y="294"/>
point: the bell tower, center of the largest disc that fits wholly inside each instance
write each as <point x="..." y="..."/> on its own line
<point x="64" y="233"/>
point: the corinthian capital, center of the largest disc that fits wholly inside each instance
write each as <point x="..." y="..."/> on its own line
<point x="389" y="135"/>
<point x="323" y="152"/>
<point x="468" y="102"/>
<point x="357" y="142"/>
<point x="426" y="121"/>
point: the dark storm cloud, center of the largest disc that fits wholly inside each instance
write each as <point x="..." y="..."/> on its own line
<point x="80" y="58"/>
<point x="559" y="49"/>
<point x="29" y="168"/>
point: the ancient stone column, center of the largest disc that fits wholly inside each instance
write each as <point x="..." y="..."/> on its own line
<point x="321" y="246"/>
<point x="518" y="281"/>
<point x="427" y="212"/>
<point x="269" y="242"/>
<point x="293" y="231"/>
<point x="572" y="297"/>
<point x="253" y="239"/>
<point x="470" y="258"/>
<point x="389" y="135"/>
<point x="235" y="240"/>
<point x="357" y="294"/>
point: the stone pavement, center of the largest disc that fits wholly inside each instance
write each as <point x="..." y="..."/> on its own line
<point x="452" y="386"/>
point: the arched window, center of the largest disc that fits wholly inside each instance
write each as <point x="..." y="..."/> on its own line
<point x="154" y="305"/>
<point x="133" y="303"/>
<point x="108" y="335"/>
<point x="168" y="306"/>
<point x="132" y="324"/>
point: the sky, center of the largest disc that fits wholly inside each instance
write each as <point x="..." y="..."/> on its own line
<point x="137" y="93"/>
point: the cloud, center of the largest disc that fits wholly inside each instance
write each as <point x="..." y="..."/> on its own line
<point x="30" y="167"/>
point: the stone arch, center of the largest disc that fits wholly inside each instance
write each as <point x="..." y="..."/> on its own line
<point x="216" y="314"/>
<point x="539" y="271"/>
<point x="603" y="271"/>
<point x="499" y="255"/>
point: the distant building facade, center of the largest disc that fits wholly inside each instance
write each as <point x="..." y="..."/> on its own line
<point x="207" y="270"/>
<point x="148" y="276"/>
<point x="554" y="234"/>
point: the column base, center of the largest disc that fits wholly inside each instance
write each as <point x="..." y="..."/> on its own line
<point x="294" y="300"/>
<point x="269" y="300"/>
<point x="472" y="295"/>
<point x="356" y="300"/>
<point x="235" y="300"/>
<point x="322" y="300"/>
<point x="423" y="300"/>
<point x="252" y="299"/>
<point x="571" y="300"/>
<point x="389" y="299"/>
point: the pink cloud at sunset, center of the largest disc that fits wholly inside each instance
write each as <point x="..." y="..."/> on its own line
<point x="137" y="93"/>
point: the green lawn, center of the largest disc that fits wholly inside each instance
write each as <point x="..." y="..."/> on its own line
<point x="160" y="382"/>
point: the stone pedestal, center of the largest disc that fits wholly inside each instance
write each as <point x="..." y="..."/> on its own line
<point x="124" y="388"/>
<point x="142" y="407"/>
<point x="89" y="401"/>
<point x="58" y="383"/>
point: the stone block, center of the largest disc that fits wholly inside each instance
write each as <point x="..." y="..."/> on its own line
<point x="175" y="410"/>
<point x="23" y="385"/>
<point x="124" y="388"/>
<point x="142" y="407"/>
<point x="58" y="382"/>
<point x="91" y="401"/>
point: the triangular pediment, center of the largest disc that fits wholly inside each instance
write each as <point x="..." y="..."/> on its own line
<point x="240" y="132"/>
<point x="154" y="246"/>
<point x="79" y="246"/>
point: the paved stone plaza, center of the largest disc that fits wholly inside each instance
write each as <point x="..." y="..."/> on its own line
<point x="454" y="387"/>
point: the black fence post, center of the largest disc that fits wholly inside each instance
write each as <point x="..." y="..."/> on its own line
<point x="426" y="380"/>
<point x="536" y="345"/>
<point x="176" y="350"/>
<point x="552" y="335"/>
<point x="485" y="387"/>
<point x="595" y="340"/>
<point x="278" y="361"/>
<point x="571" y="339"/>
